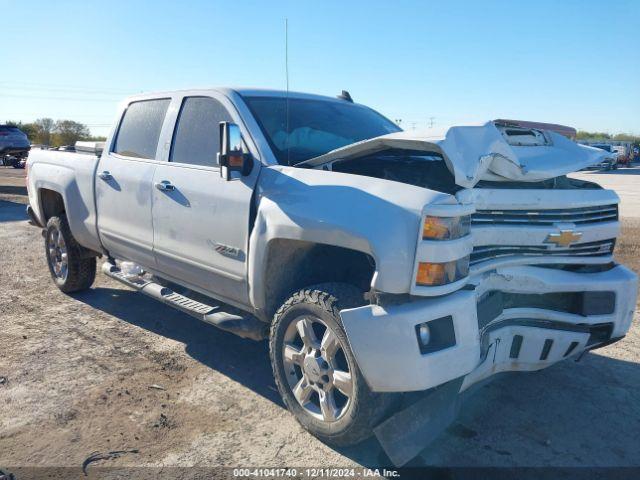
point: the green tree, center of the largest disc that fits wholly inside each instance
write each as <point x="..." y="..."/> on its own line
<point x="582" y="135"/>
<point x="626" y="137"/>
<point x="68" y="132"/>
<point x="43" y="131"/>
<point x="95" y="138"/>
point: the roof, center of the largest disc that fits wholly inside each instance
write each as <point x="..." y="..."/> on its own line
<point x="243" y="91"/>
<point x="263" y="92"/>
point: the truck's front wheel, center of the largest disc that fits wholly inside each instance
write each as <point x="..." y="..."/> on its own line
<point x="71" y="268"/>
<point x="315" y="370"/>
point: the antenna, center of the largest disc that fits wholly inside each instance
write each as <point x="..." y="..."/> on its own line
<point x="345" y="96"/>
<point x="286" y="74"/>
<point x="286" y="52"/>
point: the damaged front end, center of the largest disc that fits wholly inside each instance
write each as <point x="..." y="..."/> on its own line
<point x="510" y="319"/>
<point x="530" y="282"/>
<point x="492" y="152"/>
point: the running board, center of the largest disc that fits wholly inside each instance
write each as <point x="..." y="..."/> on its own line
<point x="246" y="326"/>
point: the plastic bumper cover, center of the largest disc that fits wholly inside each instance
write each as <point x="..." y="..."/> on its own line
<point x="385" y="344"/>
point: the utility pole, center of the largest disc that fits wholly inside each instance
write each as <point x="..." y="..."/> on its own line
<point x="431" y="121"/>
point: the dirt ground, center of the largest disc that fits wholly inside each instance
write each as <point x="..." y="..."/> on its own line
<point x="625" y="181"/>
<point x="109" y="369"/>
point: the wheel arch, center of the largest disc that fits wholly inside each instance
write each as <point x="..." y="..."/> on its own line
<point x="292" y="264"/>
<point x="51" y="204"/>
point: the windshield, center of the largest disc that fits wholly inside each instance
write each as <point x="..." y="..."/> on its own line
<point x="315" y="126"/>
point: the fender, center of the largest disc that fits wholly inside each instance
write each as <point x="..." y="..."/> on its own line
<point x="374" y="216"/>
<point x="76" y="186"/>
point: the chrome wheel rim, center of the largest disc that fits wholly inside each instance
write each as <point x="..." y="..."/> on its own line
<point x="317" y="369"/>
<point x="58" y="255"/>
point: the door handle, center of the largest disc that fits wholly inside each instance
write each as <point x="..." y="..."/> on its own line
<point x="165" y="186"/>
<point x="105" y="175"/>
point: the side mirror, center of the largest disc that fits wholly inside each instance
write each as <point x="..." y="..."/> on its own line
<point x="232" y="158"/>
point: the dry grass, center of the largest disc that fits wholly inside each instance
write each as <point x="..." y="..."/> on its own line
<point x="628" y="246"/>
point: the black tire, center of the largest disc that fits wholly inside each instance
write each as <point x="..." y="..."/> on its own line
<point x="366" y="408"/>
<point x="81" y="266"/>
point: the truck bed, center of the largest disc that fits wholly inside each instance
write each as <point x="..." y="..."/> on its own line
<point x="72" y="174"/>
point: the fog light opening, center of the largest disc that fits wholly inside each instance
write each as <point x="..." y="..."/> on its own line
<point x="435" y="335"/>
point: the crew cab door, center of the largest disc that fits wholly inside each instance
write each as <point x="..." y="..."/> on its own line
<point x="124" y="182"/>
<point x="201" y="220"/>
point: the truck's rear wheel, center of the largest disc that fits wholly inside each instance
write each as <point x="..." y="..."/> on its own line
<point x="71" y="269"/>
<point x="315" y="370"/>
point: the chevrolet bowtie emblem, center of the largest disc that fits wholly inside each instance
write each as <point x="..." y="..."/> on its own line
<point x="564" y="238"/>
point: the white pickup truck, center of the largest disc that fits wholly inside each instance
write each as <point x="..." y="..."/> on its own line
<point x="376" y="261"/>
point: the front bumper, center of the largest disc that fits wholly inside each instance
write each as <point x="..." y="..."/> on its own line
<point x="384" y="341"/>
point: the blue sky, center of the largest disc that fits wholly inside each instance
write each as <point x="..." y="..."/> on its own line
<point x="570" y="62"/>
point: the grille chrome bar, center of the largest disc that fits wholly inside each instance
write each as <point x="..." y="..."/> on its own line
<point x="591" y="249"/>
<point x="583" y="215"/>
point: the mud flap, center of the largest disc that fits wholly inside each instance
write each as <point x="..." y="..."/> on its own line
<point x="407" y="432"/>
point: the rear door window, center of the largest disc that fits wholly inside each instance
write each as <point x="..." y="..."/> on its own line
<point x="196" y="139"/>
<point x="140" y="128"/>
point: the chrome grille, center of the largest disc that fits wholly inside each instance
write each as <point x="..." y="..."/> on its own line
<point x="579" y="216"/>
<point x="588" y="249"/>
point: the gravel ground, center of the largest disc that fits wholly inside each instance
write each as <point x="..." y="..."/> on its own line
<point x="625" y="181"/>
<point x="109" y="369"/>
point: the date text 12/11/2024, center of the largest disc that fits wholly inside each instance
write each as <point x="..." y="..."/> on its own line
<point x="315" y="472"/>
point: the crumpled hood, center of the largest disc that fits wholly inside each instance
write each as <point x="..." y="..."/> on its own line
<point x="484" y="152"/>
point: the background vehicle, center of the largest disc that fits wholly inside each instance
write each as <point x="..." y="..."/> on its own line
<point x="66" y="148"/>
<point x="623" y="153"/>
<point x="377" y="262"/>
<point x="610" y="161"/>
<point x="14" y="146"/>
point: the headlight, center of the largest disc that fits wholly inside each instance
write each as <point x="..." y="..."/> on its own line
<point x="445" y="228"/>
<point x="434" y="274"/>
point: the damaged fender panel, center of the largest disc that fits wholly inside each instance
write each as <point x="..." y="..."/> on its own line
<point x="474" y="153"/>
<point x="370" y="215"/>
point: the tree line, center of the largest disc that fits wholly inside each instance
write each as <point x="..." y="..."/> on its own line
<point x="46" y="131"/>
<point x="622" y="137"/>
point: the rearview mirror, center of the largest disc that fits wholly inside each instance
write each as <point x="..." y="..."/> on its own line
<point x="232" y="158"/>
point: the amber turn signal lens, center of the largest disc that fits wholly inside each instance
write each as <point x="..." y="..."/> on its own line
<point x="434" y="274"/>
<point x="435" y="228"/>
<point x="430" y="274"/>
<point x="445" y="228"/>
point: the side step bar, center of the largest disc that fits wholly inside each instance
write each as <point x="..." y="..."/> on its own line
<point x="246" y="326"/>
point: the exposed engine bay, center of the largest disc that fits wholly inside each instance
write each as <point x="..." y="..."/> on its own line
<point x="413" y="167"/>
<point x="428" y="170"/>
<point x="491" y="152"/>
